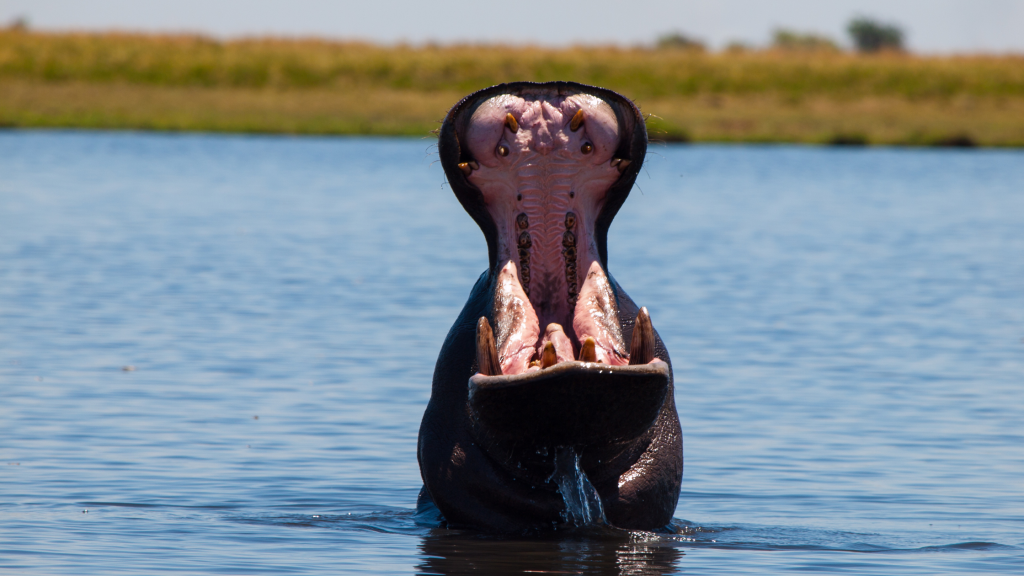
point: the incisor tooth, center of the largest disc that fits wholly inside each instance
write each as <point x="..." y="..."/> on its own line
<point x="486" y="351"/>
<point x="641" y="348"/>
<point x="588" y="352"/>
<point x="548" y="357"/>
<point x="577" y="121"/>
<point x="510" y="121"/>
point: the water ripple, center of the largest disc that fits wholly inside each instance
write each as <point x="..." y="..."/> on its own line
<point x="845" y="325"/>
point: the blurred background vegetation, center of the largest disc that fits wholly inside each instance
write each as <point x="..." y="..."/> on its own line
<point x="802" y="88"/>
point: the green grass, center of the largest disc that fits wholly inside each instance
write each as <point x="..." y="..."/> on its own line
<point x="319" y="86"/>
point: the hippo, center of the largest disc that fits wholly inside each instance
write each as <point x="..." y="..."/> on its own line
<point x="552" y="402"/>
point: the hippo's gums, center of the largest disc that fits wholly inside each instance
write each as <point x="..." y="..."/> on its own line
<point x="552" y="401"/>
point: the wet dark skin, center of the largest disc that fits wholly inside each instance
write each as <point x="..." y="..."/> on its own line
<point x="501" y="402"/>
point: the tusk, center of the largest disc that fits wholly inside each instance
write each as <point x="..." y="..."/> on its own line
<point x="486" y="351"/>
<point x="641" y="348"/>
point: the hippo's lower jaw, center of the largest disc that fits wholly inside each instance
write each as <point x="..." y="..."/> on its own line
<point x="543" y="168"/>
<point x="578" y="405"/>
<point x="570" y="404"/>
<point x="603" y="398"/>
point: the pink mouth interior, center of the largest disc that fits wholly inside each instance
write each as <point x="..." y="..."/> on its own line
<point x="544" y="185"/>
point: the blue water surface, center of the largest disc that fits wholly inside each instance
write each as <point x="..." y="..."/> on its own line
<point x="215" y="352"/>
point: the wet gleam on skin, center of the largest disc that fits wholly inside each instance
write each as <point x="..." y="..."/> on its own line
<point x="549" y="355"/>
<point x="536" y="165"/>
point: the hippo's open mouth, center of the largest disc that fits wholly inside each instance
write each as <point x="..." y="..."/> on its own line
<point x="544" y="161"/>
<point x="569" y="384"/>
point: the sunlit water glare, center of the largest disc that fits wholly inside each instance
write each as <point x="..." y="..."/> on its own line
<point x="215" y="352"/>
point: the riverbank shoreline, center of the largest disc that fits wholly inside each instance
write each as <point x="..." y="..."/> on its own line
<point x="317" y="87"/>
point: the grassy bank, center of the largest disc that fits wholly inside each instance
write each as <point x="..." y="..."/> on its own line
<point x="313" y="86"/>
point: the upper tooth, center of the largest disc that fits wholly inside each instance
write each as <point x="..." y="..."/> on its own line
<point x="577" y="121"/>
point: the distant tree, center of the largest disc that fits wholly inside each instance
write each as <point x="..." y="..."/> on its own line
<point x="737" y="47"/>
<point x="870" y="35"/>
<point x="19" y="24"/>
<point x="783" y="39"/>
<point x="679" y="40"/>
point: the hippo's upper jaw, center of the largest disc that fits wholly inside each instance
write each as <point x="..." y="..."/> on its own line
<point x="571" y="362"/>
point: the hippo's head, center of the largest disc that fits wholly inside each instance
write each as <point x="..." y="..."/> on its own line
<point x="555" y="354"/>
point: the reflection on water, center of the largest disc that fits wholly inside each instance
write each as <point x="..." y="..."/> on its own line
<point x="581" y="551"/>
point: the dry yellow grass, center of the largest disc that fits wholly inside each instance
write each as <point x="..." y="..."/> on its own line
<point x="323" y="87"/>
<point x="965" y="121"/>
<point x="132" y="106"/>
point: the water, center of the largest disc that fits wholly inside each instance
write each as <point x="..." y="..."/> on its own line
<point x="846" y="327"/>
<point x="583" y="506"/>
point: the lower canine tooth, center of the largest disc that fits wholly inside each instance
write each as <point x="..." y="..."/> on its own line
<point x="466" y="168"/>
<point x="548" y="357"/>
<point x="486" y="351"/>
<point x="588" y="352"/>
<point x="641" y="348"/>
<point x="623" y="164"/>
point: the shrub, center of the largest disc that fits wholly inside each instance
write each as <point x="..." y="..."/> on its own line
<point x="679" y="40"/>
<point x="869" y="35"/>
<point x="784" y="39"/>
